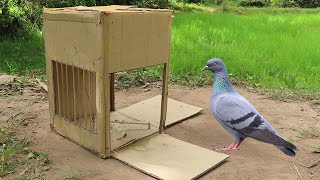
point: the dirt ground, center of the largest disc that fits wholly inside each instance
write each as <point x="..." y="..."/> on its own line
<point x="295" y="120"/>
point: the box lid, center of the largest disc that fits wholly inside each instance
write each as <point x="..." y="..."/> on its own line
<point x="92" y="14"/>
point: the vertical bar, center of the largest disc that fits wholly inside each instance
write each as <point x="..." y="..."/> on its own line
<point x="84" y="98"/>
<point x="62" y="93"/>
<point x="89" y="100"/>
<point x="74" y="94"/>
<point x="112" y="97"/>
<point x="107" y="115"/>
<point x="164" y="99"/>
<point x="67" y="98"/>
<point x="51" y="72"/>
<point x="79" y="109"/>
<point x="59" y="79"/>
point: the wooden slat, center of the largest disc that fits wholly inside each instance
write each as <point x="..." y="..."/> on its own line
<point x="112" y="96"/>
<point x="107" y="118"/>
<point x="67" y="95"/>
<point x="51" y="72"/>
<point x="74" y="95"/>
<point x="164" y="99"/>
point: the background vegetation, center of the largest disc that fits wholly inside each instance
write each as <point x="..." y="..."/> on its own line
<point x="270" y="44"/>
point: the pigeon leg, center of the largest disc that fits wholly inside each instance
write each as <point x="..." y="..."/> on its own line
<point x="237" y="144"/>
<point x="234" y="146"/>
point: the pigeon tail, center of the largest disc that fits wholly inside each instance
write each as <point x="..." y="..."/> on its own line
<point x="287" y="151"/>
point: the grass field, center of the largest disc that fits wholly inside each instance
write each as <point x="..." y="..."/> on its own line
<point x="275" y="50"/>
<point x="22" y="54"/>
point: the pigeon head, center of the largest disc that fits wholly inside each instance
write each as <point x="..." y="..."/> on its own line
<point x="214" y="65"/>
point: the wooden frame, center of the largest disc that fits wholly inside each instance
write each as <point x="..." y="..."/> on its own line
<point x="97" y="42"/>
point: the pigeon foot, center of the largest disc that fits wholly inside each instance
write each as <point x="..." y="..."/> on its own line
<point x="232" y="147"/>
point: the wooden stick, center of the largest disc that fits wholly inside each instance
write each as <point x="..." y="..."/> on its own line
<point x="44" y="86"/>
<point x="67" y="98"/>
<point x="112" y="97"/>
<point x="61" y="104"/>
<point x="24" y="171"/>
<point x="84" y="98"/>
<point x="164" y="99"/>
<point x="78" y="88"/>
<point x="74" y="95"/>
<point x="58" y="87"/>
<point x="124" y="122"/>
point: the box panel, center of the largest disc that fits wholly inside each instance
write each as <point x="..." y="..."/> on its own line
<point x="136" y="40"/>
<point x="74" y="43"/>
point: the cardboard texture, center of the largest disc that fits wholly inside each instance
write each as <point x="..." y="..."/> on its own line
<point x="147" y="111"/>
<point x="122" y="133"/>
<point x="84" y="47"/>
<point x="165" y="157"/>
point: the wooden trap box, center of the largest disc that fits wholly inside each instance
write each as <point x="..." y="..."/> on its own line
<point x="84" y="47"/>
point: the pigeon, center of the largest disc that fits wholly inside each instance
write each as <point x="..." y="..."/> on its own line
<point x="238" y="116"/>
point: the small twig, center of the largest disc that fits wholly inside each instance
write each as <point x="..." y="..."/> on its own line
<point x="8" y="173"/>
<point x="315" y="163"/>
<point x="315" y="169"/>
<point x="44" y="86"/>
<point x="24" y="171"/>
<point x="303" y="165"/>
<point x="13" y="116"/>
<point x="4" y="108"/>
<point x="297" y="170"/>
<point x="139" y="123"/>
<point x="311" y="165"/>
<point x="27" y="118"/>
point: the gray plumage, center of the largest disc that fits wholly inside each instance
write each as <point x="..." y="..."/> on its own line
<point x="237" y="115"/>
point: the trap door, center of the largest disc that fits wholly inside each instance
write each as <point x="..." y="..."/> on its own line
<point x="140" y="120"/>
<point x="165" y="157"/>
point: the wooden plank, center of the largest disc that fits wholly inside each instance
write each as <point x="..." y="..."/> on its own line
<point x="164" y="100"/>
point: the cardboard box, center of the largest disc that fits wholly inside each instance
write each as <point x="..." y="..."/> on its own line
<point x="84" y="47"/>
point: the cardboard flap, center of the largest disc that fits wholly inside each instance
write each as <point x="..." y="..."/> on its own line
<point x="143" y="119"/>
<point x="165" y="157"/>
<point x="149" y="110"/>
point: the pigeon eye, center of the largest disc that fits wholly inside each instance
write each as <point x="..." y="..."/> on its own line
<point x="214" y="64"/>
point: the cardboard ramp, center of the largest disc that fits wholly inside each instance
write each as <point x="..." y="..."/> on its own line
<point x="165" y="157"/>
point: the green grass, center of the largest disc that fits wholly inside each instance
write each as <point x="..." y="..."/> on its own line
<point x="270" y="47"/>
<point x="274" y="50"/>
<point x="22" y="54"/>
<point x="16" y="156"/>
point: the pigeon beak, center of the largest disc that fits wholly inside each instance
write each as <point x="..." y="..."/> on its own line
<point x="205" y="68"/>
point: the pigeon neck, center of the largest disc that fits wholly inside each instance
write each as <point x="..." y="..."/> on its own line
<point x="222" y="83"/>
